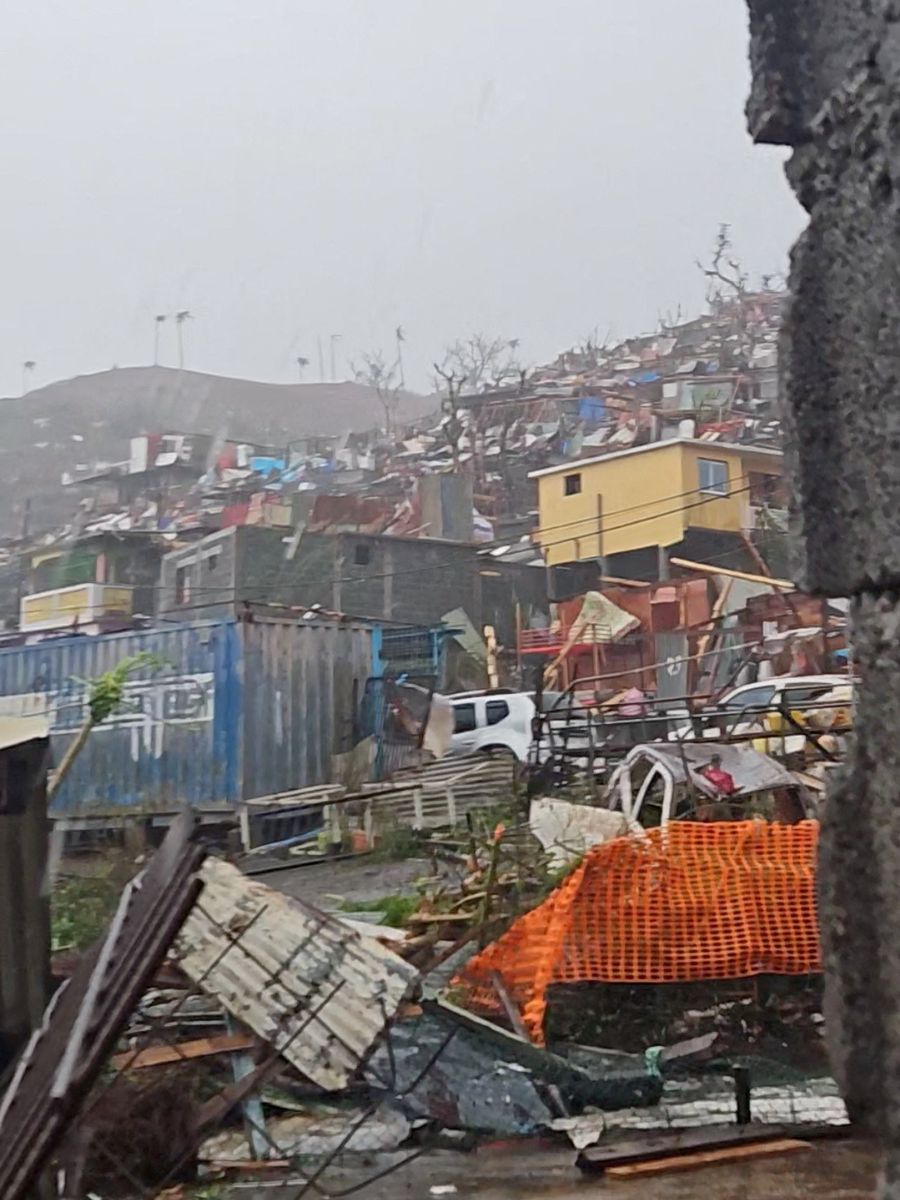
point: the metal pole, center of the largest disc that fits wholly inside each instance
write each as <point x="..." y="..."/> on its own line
<point x="742" y="1095"/>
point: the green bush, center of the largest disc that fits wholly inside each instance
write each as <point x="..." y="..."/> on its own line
<point x="80" y="910"/>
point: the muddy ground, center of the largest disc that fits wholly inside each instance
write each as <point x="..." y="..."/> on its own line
<point x="828" y="1171"/>
<point x="360" y="879"/>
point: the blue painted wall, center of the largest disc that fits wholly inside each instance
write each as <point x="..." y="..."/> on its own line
<point x="237" y="710"/>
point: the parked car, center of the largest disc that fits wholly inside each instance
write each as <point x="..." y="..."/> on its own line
<point x="492" y="722"/>
<point x="757" y="707"/>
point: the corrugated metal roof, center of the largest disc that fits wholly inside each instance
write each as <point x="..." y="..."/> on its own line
<point x="292" y="960"/>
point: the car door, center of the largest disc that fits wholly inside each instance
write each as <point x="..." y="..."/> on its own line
<point x="465" y="727"/>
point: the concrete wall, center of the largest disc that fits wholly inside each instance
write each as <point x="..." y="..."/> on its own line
<point x="412" y="581"/>
<point x="210" y="571"/>
<point x="825" y="83"/>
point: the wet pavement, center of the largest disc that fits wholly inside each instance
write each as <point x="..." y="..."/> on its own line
<point x="828" y="1170"/>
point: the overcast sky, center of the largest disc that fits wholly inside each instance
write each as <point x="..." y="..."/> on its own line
<point x="293" y="168"/>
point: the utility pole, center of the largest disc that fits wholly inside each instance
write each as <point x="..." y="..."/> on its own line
<point x="27" y="373"/>
<point x="401" y="338"/>
<point x="157" y="322"/>
<point x="180" y="318"/>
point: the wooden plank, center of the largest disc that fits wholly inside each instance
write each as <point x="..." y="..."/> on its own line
<point x="158" y="1056"/>
<point x="707" y="1158"/>
<point x="705" y="569"/>
<point x="666" y="1143"/>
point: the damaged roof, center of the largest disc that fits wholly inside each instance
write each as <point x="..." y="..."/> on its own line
<point x="292" y="961"/>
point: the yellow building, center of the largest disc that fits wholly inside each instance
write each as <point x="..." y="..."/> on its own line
<point x="653" y="497"/>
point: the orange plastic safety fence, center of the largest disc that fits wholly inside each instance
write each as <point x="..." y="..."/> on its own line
<point x="695" y="901"/>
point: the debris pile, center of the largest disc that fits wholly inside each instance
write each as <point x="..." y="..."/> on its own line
<point x="726" y="900"/>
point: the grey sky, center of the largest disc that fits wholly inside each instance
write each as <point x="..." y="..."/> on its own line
<point x="288" y="168"/>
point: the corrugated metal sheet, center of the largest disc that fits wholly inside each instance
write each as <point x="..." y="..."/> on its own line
<point x="292" y="960"/>
<point x="302" y="688"/>
<point x="238" y="709"/>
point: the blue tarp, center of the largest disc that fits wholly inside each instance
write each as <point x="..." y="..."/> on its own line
<point x="592" y="408"/>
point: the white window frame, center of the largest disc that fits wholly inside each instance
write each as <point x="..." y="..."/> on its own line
<point x="710" y="488"/>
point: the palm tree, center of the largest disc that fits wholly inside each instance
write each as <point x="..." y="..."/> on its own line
<point x="27" y="373"/>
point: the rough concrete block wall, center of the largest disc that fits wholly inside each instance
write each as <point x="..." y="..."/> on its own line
<point x="825" y="82"/>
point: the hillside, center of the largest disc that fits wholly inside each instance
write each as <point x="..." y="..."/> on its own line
<point x="90" y="418"/>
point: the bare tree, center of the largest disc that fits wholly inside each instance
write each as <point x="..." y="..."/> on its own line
<point x="728" y="293"/>
<point x="375" y="372"/>
<point x="481" y="361"/>
<point x="451" y="423"/>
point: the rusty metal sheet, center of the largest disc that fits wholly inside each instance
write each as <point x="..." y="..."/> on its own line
<point x="290" y="960"/>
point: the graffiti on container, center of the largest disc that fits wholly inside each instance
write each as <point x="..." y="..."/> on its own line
<point x="148" y="707"/>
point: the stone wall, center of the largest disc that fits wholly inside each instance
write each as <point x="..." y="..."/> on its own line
<point x="825" y="83"/>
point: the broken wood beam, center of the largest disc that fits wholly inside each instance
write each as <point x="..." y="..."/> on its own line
<point x="160" y="1056"/>
<point x="708" y="1158"/>
<point x="706" y="569"/>
<point x="670" y="1143"/>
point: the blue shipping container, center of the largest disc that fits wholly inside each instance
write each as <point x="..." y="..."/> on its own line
<point x="239" y="709"/>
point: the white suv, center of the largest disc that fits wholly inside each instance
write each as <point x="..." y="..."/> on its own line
<point x="492" y="721"/>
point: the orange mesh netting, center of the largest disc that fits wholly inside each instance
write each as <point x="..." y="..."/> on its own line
<point x="718" y="900"/>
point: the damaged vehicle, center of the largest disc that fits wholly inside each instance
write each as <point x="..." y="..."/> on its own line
<point x="661" y="782"/>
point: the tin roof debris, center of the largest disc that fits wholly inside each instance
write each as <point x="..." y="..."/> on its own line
<point x="490" y="1081"/>
<point x="290" y="960"/>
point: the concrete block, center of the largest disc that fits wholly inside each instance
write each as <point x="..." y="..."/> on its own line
<point x="826" y="76"/>
<point x="860" y="882"/>
<point x="801" y="51"/>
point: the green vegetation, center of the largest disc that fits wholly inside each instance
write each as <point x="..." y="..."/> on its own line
<point x="396" y="909"/>
<point x="396" y="844"/>
<point x="108" y="689"/>
<point x="80" y="910"/>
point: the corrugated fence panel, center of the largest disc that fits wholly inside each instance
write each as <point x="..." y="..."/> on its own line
<point x="176" y="739"/>
<point x="302" y="686"/>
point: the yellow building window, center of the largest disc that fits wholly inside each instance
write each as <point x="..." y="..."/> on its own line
<point x="713" y="476"/>
<point x="572" y="484"/>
